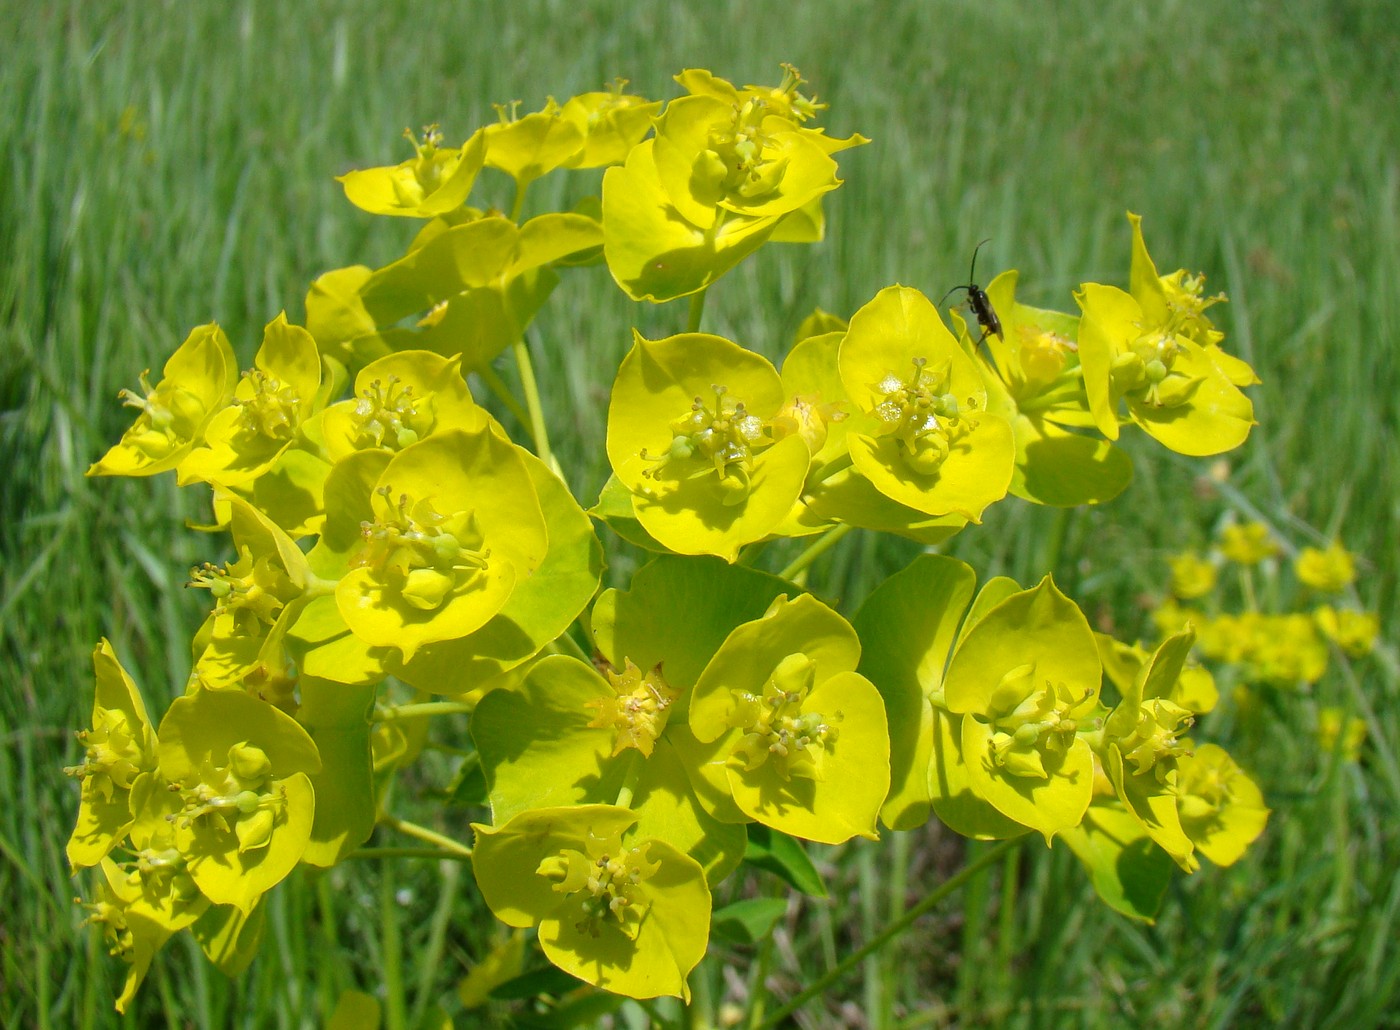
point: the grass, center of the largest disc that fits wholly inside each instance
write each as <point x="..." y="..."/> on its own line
<point x="168" y="164"/>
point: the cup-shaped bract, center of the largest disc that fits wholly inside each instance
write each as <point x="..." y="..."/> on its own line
<point x="1172" y="387"/>
<point x="800" y="737"/>
<point x="1023" y="680"/>
<point x="118" y="749"/>
<point x="541" y="607"/>
<point x="456" y="522"/>
<point x="1143" y="741"/>
<point x="572" y="734"/>
<point x="434" y="181"/>
<point x="532" y="145"/>
<point x="254" y="600"/>
<point x="689" y="436"/>
<point x="240" y="769"/>
<point x="1221" y="809"/>
<point x="1179" y="299"/>
<point x="198" y="382"/>
<point x="137" y="920"/>
<point x="270" y="403"/>
<point x="924" y="436"/>
<point x="1034" y="381"/>
<point x="630" y="916"/>
<point x="472" y="285"/>
<point x="612" y="123"/>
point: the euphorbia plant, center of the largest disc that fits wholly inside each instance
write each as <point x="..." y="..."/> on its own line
<point x="636" y="743"/>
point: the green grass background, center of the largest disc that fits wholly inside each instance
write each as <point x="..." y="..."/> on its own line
<point x="165" y="164"/>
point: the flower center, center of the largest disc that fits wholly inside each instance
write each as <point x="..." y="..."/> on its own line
<point x="605" y="882"/>
<point x="272" y="412"/>
<point x="638" y="711"/>
<point x="922" y="415"/>
<point x="170" y="414"/>
<point x="1033" y="723"/>
<point x="389" y="414"/>
<point x="421" y="554"/>
<point x="777" y="729"/>
<point x="112" y="755"/>
<point x="1153" y="742"/>
<point x="722" y="439"/>
<point x="241" y="796"/>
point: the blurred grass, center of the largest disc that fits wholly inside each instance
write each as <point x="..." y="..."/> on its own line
<point x="165" y="164"/>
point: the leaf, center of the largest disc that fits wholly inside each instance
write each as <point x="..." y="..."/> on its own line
<point x="1128" y="871"/>
<point x="786" y="858"/>
<point x="749" y="921"/>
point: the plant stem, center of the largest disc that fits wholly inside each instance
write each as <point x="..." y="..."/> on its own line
<point x="518" y="202"/>
<point x="697" y="311"/>
<point x="496" y="385"/>
<point x="629" y="781"/>
<point x="422" y="710"/>
<point x="815" y="550"/>
<point x="436" y="854"/>
<point x="896" y="928"/>
<point x="424" y="834"/>
<point x="391" y="954"/>
<point x="521" y="350"/>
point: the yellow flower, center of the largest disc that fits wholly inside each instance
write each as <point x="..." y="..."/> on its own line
<point x="1353" y="631"/>
<point x="1330" y="570"/>
<point x="1192" y="575"/>
<point x="1247" y="544"/>
<point x="1332" y="725"/>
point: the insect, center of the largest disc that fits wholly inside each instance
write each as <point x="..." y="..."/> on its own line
<point x="977" y="300"/>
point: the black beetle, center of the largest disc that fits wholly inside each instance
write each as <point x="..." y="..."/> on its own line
<point x="978" y="301"/>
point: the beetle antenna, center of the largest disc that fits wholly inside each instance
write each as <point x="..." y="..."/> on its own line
<point x="972" y="272"/>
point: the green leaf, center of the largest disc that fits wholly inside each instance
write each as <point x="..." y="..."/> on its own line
<point x="906" y="630"/>
<point x="749" y="921"/>
<point x="786" y="858"/>
<point x="678" y="612"/>
<point x="337" y="717"/>
<point x="1128" y="871"/>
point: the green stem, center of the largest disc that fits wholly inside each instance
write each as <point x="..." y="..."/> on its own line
<point x="436" y="854"/>
<point x="896" y="928"/>
<point x="422" y="710"/>
<point x="496" y="385"/>
<point x="629" y="781"/>
<point x="521" y="350"/>
<point x="815" y="550"/>
<point x="391" y="955"/>
<point x="697" y="311"/>
<point x="424" y="834"/>
<point x="517" y="203"/>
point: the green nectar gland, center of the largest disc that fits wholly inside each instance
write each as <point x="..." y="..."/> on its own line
<point x="272" y="411"/>
<point x="638" y="711"/>
<point x="1032" y="723"/>
<point x="389" y="414"/>
<point x="919" y="411"/>
<point x="250" y="591"/>
<point x="170" y="416"/>
<point x="112" y="754"/>
<point x="425" y="556"/>
<point x="605" y="883"/>
<point x="734" y="163"/>
<point x="775" y="727"/>
<point x="1144" y="370"/>
<point x="427" y="169"/>
<point x="722" y="439"/>
<point x="1155" y="741"/>
<point x="240" y="796"/>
